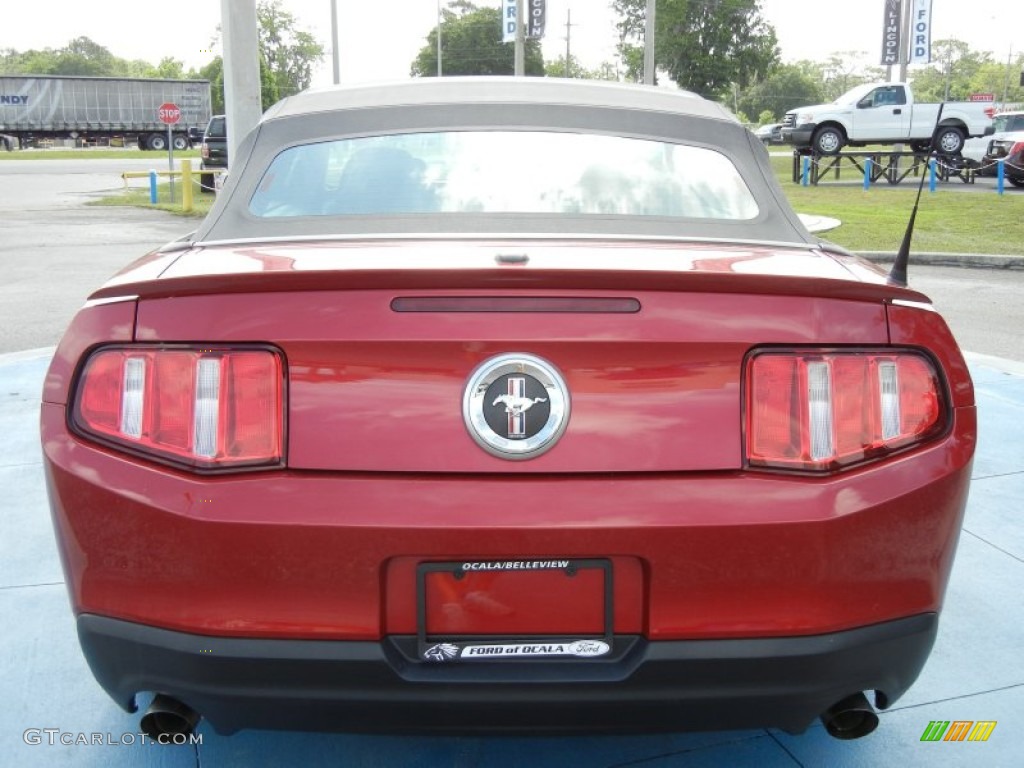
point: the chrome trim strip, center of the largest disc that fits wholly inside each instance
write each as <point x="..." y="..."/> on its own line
<point x="109" y="300"/>
<point x="547" y="238"/>
<point x="922" y="305"/>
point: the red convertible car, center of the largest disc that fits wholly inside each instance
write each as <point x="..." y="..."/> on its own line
<point x="493" y="404"/>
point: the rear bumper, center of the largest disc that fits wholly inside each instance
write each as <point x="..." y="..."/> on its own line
<point x="333" y="556"/>
<point x="381" y="686"/>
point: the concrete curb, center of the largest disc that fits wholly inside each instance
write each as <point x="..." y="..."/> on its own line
<point x="26" y="354"/>
<point x="1001" y="364"/>
<point x="933" y="259"/>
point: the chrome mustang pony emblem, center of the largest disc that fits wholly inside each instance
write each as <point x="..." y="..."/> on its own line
<point x="516" y="406"/>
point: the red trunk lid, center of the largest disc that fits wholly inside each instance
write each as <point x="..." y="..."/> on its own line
<point x="379" y="350"/>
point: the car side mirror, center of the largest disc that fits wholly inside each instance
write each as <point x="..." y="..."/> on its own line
<point x="989" y="130"/>
<point x="865" y="103"/>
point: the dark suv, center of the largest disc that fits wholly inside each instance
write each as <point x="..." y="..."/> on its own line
<point x="214" y="151"/>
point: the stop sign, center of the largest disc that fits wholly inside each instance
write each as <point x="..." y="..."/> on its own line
<point x="169" y="113"/>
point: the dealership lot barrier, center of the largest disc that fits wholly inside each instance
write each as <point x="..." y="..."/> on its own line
<point x="184" y="173"/>
<point x="875" y="165"/>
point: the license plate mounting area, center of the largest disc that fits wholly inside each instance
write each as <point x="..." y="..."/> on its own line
<point x="493" y="610"/>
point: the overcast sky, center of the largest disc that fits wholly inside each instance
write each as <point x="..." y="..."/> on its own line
<point x="379" y="39"/>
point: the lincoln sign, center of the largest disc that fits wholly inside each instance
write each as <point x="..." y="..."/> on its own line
<point x="891" y="33"/>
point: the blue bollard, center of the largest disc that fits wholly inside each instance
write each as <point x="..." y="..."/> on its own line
<point x="152" y="187"/>
<point x="1000" y="176"/>
<point x="931" y="175"/>
<point x="805" y="176"/>
<point x="867" y="174"/>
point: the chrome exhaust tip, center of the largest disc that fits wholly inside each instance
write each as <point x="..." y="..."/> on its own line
<point x="168" y="717"/>
<point x="851" y="718"/>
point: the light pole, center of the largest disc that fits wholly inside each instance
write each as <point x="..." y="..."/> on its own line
<point x="1006" y="81"/>
<point x="334" y="41"/>
<point x="241" y="70"/>
<point x="649" y="44"/>
<point x="520" y="53"/>
<point x="439" y="38"/>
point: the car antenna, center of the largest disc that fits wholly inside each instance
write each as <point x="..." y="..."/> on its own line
<point x="898" y="274"/>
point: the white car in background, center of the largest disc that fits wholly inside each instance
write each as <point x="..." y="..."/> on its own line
<point x="771" y="133"/>
<point x="975" y="149"/>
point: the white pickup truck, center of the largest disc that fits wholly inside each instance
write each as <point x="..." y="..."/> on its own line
<point x="885" y="113"/>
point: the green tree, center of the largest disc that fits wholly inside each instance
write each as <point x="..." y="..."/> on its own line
<point x="844" y="70"/>
<point x="471" y="45"/>
<point x="170" y="68"/>
<point x="1001" y="79"/>
<point x="789" y="86"/>
<point x="270" y="91"/>
<point x="948" y="76"/>
<point x="557" y="68"/>
<point x="287" y="55"/>
<point x="956" y="72"/>
<point x="288" y="52"/>
<point x="703" y="46"/>
<point x="214" y="72"/>
<point x="32" y="62"/>
<point x="136" y="68"/>
<point x="82" y="56"/>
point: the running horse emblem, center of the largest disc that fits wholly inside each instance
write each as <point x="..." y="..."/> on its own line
<point x="515" y="404"/>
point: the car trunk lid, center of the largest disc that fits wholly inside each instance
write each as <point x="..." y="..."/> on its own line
<point x="649" y="341"/>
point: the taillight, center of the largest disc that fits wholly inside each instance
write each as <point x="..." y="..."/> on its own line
<point x="814" y="410"/>
<point x="207" y="408"/>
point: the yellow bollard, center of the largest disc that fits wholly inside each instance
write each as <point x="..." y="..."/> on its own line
<point x="186" y="185"/>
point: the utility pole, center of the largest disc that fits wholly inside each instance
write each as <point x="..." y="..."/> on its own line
<point x="520" y="62"/>
<point x="242" y="103"/>
<point x="439" y="20"/>
<point x="1006" y="82"/>
<point x="568" y="35"/>
<point x="904" y="60"/>
<point x="905" y="40"/>
<point x="334" y="41"/>
<point x="649" y="44"/>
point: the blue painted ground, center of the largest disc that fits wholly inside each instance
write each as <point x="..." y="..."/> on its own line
<point x="975" y="672"/>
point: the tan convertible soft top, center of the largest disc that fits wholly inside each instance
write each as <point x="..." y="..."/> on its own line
<point x="467" y="104"/>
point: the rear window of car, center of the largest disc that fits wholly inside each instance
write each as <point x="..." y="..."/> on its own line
<point x="533" y="172"/>
<point x="1004" y="123"/>
<point x="217" y="129"/>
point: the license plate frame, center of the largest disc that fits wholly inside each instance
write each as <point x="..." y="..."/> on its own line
<point x="506" y="647"/>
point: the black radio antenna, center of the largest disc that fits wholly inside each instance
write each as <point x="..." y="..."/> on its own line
<point x="898" y="274"/>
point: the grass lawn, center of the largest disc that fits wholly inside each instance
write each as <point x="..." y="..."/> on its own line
<point x="948" y="221"/>
<point x="139" y="197"/>
<point x="96" y="153"/>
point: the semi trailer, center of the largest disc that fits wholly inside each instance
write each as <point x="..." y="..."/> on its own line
<point x="39" y="108"/>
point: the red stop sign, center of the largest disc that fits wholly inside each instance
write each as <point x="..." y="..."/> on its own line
<point x="169" y="113"/>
